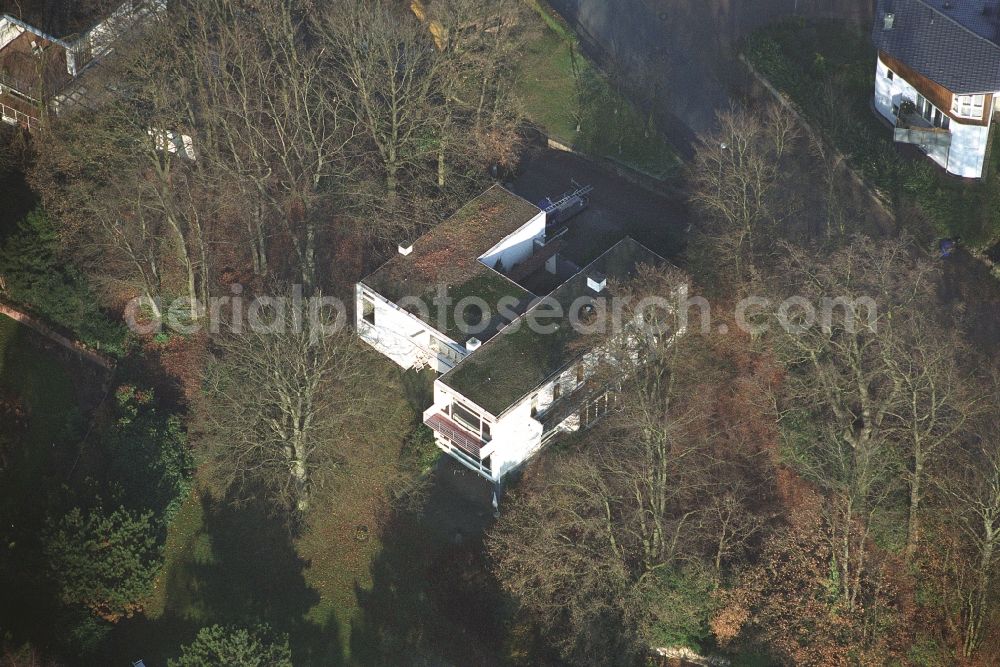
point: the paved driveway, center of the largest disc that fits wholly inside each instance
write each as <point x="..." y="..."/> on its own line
<point x="680" y="54"/>
<point x="617" y="207"/>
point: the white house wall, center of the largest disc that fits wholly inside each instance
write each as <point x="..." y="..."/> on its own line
<point x="516" y="435"/>
<point x="9" y="31"/>
<point x="968" y="142"/>
<point x="399" y="335"/>
<point x="968" y="149"/>
<point x="518" y="246"/>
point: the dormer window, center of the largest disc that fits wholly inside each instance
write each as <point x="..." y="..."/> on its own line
<point x="968" y="106"/>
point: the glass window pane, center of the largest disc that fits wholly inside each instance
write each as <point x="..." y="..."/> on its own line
<point x="465" y="416"/>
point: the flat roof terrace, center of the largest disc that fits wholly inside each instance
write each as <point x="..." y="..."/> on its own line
<point x="448" y="257"/>
<point x="520" y="359"/>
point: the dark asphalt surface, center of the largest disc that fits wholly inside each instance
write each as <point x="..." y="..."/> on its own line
<point x="617" y="207"/>
<point x="680" y="55"/>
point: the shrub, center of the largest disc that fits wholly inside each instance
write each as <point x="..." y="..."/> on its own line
<point x="103" y="562"/>
<point x="38" y="278"/>
<point x="149" y="455"/>
<point x="217" y="645"/>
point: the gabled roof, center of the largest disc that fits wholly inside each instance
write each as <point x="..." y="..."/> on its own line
<point x="520" y="358"/>
<point x="952" y="42"/>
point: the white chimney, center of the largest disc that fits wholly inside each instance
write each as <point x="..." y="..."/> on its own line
<point x="405" y="249"/>
<point x="597" y="282"/>
<point x="473" y="344"/>
<point x="890" y="20"/>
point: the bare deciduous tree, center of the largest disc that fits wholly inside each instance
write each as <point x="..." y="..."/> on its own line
<point x="630" y="521"/>
<point x="869" y="378"/>
<point x="973" y="489"/>
<point x="390" y="71"/>
<point x="278" y="401"/>
<point x="737" y="183"/>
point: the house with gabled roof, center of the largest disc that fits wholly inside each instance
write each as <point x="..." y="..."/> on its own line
<point x="938" y="77"/>
<point x="515" y="372"/>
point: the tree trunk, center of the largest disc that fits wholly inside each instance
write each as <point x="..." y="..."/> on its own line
<point x="913" y="520"/>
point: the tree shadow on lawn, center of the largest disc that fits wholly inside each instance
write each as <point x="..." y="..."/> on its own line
<point x="433" y="600"/>
<point x="249" y="573"/>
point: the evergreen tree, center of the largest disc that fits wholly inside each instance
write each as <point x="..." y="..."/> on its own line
<point x="217" y="645"/>
<point x="104" y="562"/>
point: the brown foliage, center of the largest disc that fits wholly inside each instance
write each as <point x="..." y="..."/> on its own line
<point x="788" y="602"/>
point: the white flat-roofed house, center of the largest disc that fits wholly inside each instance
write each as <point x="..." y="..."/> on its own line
<point x="938" y="77"/>
<point x="397" y="311"/>
<point x="40" y="71"/>
<point x="508" y="387"/>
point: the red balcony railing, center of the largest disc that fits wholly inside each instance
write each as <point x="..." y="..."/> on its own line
<point x="461" y="438"/>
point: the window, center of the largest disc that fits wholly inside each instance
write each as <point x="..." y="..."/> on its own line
<point x="924" y="107"/>
<point x="466" y="417"/>
<point x="932" y="114"/>
<point x="368" y="308"/>
<point x="968" y="106"/>
<point x="890" y="75"/>
<point x="470" y="420"/>
<point x="442" y="349"/>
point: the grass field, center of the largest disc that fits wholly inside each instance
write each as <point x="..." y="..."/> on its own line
<point x="240" y="565"/>
<point x="40" y="427"/>
<point x="567" y="97"/>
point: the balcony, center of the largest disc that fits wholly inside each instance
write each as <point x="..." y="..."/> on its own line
<point x="461" y="438"/>
<point x="912" y="128"/>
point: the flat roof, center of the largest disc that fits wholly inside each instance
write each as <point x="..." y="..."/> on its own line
<point x="519" y="360"/>
<point x="448" y="255"/>
<point x="62" y="19"/>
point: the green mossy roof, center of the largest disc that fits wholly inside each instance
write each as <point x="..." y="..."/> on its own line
<point x="519" y="359"/>
<point x="448" y="256"/>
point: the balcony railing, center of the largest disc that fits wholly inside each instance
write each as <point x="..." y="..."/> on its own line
<point x="465" y="440"/>
<point x="18" y="116"/>
<point x="9" y="83"/>
<point x="912" y="128"/>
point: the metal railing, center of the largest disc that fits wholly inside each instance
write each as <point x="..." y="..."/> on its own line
<point x="12" y="114"/>
<point x="17" y="86"/>
<point x="460" y="437"/>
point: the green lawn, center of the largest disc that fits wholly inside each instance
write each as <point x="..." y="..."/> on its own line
<point x="39" y="380"/>
<point x="40" y="427"/>
<point x="238" y="564"/>
<point x="828" y="70"/>
<point x="567" y="97"/>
